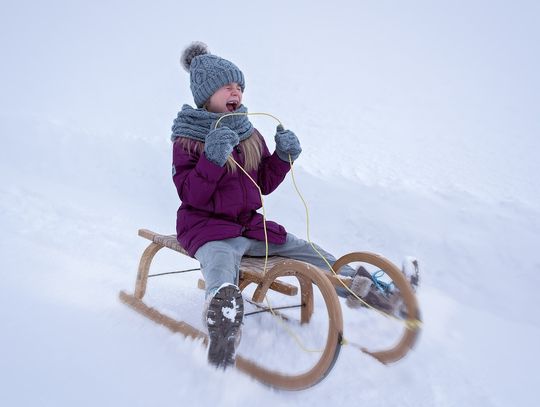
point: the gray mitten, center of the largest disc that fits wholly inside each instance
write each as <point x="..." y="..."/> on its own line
<point x="287" y="143"/>
<point x="219" y="144"/>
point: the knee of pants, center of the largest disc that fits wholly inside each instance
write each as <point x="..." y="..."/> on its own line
<point x="219" y="267"/>
<point x="295" y="245"/>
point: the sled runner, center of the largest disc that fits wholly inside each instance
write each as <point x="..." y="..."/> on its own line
<point x="309" y="278"/>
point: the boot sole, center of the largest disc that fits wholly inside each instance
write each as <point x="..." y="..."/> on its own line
<point x="224" y="319"/>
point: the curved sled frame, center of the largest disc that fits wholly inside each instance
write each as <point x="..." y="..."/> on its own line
<point x="411" y="331"/>
<point x="306" y="275"/>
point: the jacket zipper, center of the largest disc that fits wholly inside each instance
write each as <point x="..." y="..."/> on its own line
<point x="243" y="186"/>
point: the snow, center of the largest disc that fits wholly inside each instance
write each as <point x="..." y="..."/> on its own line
<point x="419" y="128"/>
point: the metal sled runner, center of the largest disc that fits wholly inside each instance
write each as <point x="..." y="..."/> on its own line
<point x="308" y="277"/>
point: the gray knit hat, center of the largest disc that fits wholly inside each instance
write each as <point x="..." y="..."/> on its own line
<point x="208" y="72"/>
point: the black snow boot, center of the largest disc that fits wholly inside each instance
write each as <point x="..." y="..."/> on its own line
<point x="224" y="319"/>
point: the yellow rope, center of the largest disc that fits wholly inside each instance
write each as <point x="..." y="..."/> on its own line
<point x="284" y="325"/>
<point x="409" y="323"/>
<point x="266" y="254"/>
<point x="247" y="114"/>
<point x="412" y="324"/>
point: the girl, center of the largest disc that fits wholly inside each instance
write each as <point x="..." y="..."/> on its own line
<point x="218" y="222"/>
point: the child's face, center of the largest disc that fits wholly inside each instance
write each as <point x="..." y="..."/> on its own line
<point x="226" y="99"/>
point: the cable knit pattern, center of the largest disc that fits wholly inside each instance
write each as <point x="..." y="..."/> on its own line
<point x="197" y="123"/>
<point x="208" y="72"/>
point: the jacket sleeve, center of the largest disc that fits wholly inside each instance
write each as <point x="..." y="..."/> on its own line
<point x="195" y="177"/>
<point x="272" y="170"/>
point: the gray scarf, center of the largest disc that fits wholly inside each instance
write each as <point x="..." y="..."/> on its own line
<point x="197" y="123"/>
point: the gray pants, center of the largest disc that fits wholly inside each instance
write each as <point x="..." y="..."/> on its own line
<point x="220" y="259"/>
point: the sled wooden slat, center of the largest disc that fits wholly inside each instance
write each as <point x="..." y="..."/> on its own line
<point x="252" y="269"/>
<point x="248" y="277"/>
<point x="163" y="240"/>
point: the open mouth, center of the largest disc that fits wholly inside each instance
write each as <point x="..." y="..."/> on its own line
<point x="232" y="105"/>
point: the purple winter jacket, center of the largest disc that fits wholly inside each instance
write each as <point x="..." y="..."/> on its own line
<point x="218" y="204"/>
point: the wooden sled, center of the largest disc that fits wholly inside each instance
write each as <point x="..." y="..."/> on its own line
<point x="308" y="276"/>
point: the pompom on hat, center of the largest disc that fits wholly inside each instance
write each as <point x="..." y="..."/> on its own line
<point x="208" y="72"/>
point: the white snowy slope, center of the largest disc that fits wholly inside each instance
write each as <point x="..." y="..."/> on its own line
<point x="419" y="127"/>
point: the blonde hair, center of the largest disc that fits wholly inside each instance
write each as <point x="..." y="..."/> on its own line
<point x="251" y="149"/>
